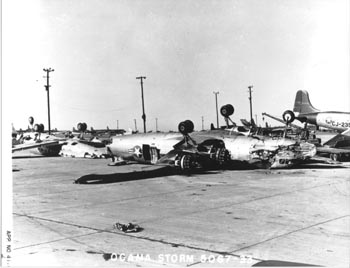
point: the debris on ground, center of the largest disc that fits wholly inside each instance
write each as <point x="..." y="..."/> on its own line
<point x="127" y="228"/>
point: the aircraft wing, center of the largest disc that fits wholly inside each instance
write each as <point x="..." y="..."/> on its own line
<point x="332" y="150"/>
<point x="346" y="132"/>
<point x="168" y="158"/>
<point x="279" y="120"/>
<point x="323" y="160"/>
<point x="22" y="147"/>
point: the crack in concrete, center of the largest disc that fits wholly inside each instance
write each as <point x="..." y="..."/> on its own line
<point x="291" y="232"/>
<point x="57" y="240"/>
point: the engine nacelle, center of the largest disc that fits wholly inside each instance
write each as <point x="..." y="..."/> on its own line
<point x="186" y="127"/>
<point x="288" y="116"/>
<point x="227" y="110"/>
<point x="82" y="127"/>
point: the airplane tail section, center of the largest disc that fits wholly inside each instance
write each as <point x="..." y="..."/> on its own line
<point x="302" y="104"/>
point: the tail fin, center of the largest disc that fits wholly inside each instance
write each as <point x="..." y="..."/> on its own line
<point x="302" y="104"/>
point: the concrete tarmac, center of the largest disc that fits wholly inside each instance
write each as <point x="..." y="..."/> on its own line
<point x="218" y="218"/>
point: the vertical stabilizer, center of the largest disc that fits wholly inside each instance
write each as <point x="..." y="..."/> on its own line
<point x="302" y="104"/>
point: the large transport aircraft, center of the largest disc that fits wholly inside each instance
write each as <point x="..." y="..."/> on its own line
<point x="220" y="147"/>
<point x="306" y="113"/>
<point x="338" y="148"/>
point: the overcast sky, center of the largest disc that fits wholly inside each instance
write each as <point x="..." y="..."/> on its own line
<point x="186" y="49"/>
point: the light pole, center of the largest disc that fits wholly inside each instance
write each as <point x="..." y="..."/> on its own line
<point x="143" y="105"/>
<point x="256" y="119"/>
<point x="217" y="112"/>
<point x="47" y="87"/>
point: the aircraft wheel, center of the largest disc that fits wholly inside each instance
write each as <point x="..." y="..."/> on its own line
<point x="227" y="110"/>
<point x="185" y="162"/>
<point x="186" y="127"/>
<point x="223" y="155"/>
<point x="288" y="116"/>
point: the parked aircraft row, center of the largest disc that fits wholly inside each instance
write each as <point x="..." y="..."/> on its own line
<point x="217" y="147"/>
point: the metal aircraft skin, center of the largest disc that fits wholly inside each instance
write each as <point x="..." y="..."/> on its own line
<point x="338" y="147"/>
<point x="309" y="114"/>
<point x="47" y="145"/>
<point x="218" y="147"/>
<point x="52" y="145"/>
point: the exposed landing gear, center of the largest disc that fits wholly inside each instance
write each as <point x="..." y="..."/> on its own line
<point x="222" y="156"/>
<point x="185" y="162"/>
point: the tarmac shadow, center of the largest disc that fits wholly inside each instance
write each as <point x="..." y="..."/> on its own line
<point x="134" y="175"/>
<point x="318" y="166"/>
<point x="33" y="156"/>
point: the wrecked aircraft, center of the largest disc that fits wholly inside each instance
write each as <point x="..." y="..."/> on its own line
<point x="220" y="147"/>
<point x="51" y="145"/>
<point x="337" y="148"/>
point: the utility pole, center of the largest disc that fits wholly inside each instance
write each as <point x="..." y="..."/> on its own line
<point x="250" y="102"/>
<point x="47" y="87"/>
<point x="156" y="124"/>
<point x="217" y="112"/>
<point x="135" y="125"/>
<point x="256" y="119"/>
<point x="117" y="124"/>
<point x="143" y="105"/>
<point x="202" y="122"/>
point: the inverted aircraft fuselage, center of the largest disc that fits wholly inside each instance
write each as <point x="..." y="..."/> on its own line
<point x="149" y="148"/>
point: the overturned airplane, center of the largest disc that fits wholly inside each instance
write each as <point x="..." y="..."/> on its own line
<point x="51" y="145"/>
<point x="220" y="148"/>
